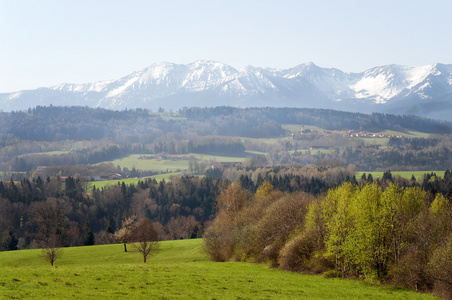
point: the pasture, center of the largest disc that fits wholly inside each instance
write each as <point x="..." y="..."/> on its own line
<point x="160" y="177"/>
<point x="169" y="164"/>
<point x="178" y="270"/>
<point x="404" y="174"/>
<point x="293" y="128"/>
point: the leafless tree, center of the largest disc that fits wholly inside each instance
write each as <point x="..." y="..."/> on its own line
<point x="51" y="226"/>
<point x="53" y="251"/>
<point x="145" y="237"/>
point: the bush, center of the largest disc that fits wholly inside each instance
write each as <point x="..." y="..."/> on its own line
<point x="218" y="242"/>
<point x="279" y="220"/>
<point x="297" y="252"/>
<point x="331" y="274"/>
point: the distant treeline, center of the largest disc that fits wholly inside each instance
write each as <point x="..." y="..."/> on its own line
<point x="83" y="123"/>
<point x="324" y="118"/>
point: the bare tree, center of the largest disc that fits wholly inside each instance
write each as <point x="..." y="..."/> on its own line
<point x="145" y="237"/>
<point x="50" y="223"/>
<point x="124" y="234"/>
<point x="53" y="251"/>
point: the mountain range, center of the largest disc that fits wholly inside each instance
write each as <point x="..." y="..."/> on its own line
<point x="424" y="91"/>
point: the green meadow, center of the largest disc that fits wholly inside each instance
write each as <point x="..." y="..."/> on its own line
<point x="58" y="152"/>
<point x="297" y="128"/>
<point x="160" y="177"/>
<point x="313" y="151"/>
<point x="170" y="165"/>
<point x="134" y="161"/>
<point x="177" y="270"/>
<point x="404" y="174"/>
<point x="409" y="134"/>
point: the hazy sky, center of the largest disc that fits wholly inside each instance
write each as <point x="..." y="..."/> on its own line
<point x="43" y="43"/>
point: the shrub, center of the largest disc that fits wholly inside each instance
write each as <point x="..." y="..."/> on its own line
<point x="218" y="242"/>
<point x="280" y="219"/>
<point x="331" y="274"/>
<point x="296" y="253"/>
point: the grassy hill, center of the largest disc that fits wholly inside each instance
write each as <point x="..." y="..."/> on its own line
<point x="178" y="270"/>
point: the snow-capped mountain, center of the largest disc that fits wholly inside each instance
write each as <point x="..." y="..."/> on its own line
<point x="425" y="90"/>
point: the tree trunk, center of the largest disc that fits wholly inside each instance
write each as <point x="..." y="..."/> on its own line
<point x="125" y="247"/>
<point x="144" y="258"/>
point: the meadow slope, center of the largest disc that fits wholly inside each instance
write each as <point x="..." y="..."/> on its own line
<point x="178" y="270"/>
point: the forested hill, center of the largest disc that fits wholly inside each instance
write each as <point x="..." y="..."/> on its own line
<point x="324" y="118"/>
<point x="83" y="123"/>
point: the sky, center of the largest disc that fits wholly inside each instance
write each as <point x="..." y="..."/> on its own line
<point x="49" y="42"/>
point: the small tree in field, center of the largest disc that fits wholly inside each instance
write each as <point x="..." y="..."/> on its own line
<point x="145" y="237"/>
<point x="124" y="234"/>
<point x="52" y="252"/>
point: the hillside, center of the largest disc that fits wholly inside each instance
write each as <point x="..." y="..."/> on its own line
<point x="424" y="91"/>
<point x="179" y="270"/>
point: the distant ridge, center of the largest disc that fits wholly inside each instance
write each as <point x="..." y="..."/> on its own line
<point x="424" y="91"/>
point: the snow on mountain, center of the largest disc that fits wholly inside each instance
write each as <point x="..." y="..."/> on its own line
<point x="207" y="83"/>
<point x="384" y="83"/>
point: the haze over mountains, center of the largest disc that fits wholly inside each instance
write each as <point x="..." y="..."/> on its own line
<point x="424" y="91"/>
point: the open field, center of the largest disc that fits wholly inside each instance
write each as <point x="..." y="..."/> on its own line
<point x="265" y="140"/>
<point x="409" y="134"/>
<point x="170" y="165"/>
<point x="313" y="151"/>
<point x="46" y="153"/>
<point x="297" y="128"/>
<point x="133" y="161"/>
<point x="256" y="152"/>
<point x="168" y="116"/>
<point x="160" y="177"/>
<point x="178" y="270"/>
<point x="374" y="141"/>
<point x="404" y="174"/>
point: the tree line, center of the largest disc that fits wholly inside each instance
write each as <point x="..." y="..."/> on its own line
<point x="379" y="232"/>
<point x="181" y="208"/>
<point x="80" y="215"/>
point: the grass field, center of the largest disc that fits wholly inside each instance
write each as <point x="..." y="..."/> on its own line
<point x="169" y="116"/>
<point x="46" y="153"/>
<point x="178" y="270"/>
<point x="172" y="165"/>
<point x="103" y="183"/>
<point x="264" y="140"/>
<point x="404" y="174"/>
<point x="297" y="128"/>
<point x="375" y="141"/>
<point x="133" y="161"/>
<point x="410" y="134"/>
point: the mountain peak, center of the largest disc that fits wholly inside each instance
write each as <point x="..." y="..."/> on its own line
<point x="212" y="83"/>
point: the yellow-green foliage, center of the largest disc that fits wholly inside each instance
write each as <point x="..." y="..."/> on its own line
<point x="389" y="234"/>
<point x="365" y="226"/>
